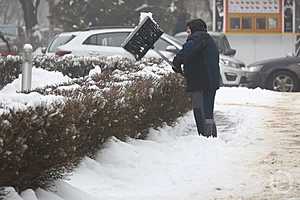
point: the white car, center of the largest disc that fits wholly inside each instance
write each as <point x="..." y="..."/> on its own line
<point x="231" y="69"/>
<point x="106" y="42"/>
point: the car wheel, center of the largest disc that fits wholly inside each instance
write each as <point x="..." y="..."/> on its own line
<point x="283" y="81"/>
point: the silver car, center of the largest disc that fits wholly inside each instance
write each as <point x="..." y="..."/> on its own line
<point x="230" y="67"/>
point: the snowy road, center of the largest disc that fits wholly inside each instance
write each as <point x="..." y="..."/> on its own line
<point x="255" y="157"/>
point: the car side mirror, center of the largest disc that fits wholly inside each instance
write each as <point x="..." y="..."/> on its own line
<point x="229" y="52"/>
<point x="44" y="50"/>
<point x="171" y="49"/>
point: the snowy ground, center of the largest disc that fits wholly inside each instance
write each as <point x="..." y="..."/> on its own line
<point x="254" y="157"/>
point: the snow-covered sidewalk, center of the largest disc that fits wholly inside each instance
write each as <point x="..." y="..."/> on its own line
<point x="247" y="161"/>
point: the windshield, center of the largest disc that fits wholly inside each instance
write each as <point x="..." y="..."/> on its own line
<point x="58" y="41"/>
<point x="174" y="39"/>
<point x="222" y="43"/>
<point x="9" y="30"/>
<point x="220" y="40"/>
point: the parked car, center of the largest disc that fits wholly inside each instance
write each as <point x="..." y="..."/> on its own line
<point x="106" y="42"/>
<point x="281" y="74"/>
<point x="6" y="48"/>
<point x="14" y="34"/>
<point x="230" y="67"/>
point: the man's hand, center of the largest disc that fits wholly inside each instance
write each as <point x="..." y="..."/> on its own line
<point x="177" y="62"/>
<point x="177" y="70"/>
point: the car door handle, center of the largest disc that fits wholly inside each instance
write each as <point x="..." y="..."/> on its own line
<point x="93" y="53"/>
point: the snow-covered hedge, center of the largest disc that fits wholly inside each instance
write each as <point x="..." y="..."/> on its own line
<point x="76" y="67"/>
<point x="118" y="98"/>
<point x="10" y="68"/>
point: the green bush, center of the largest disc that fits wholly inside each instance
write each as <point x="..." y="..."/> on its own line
<point x="10" y="68"/>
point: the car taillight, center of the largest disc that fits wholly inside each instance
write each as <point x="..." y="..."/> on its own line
<point x="62" y="53"/>
<point x="8" y="53"/>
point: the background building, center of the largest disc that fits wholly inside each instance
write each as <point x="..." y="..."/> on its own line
<point x="259" y="29"/>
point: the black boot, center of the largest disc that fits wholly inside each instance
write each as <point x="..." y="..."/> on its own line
<point x="200" y="121"/>
<point x="210" y="128"/>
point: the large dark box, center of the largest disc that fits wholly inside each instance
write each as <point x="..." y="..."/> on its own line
<point x="142" y="38"/>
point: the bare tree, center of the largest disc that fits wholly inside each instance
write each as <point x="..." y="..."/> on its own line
<point x="208" y="4"/>
<point x="30" y="8"/>
<point x="4" y="5"/>
<point x="200" y="9"/>
<point x="51" y="5"/>
<point x="10" y="12"/>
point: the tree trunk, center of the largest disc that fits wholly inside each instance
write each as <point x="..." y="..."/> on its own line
<point x="4" y="11"/>
<point x="209" y="9"/>
<point x="51" y="5"/>
<point x="30" y="8"/>
<point x="200" y="9"/>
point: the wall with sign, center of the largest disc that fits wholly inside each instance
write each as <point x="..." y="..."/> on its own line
<point x="251" y="48"/>
<point x="253" y="16"/>
<point x="259" y="29"/>
<point x="257" y="16"/>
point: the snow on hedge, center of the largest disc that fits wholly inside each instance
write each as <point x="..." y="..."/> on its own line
<point x="12" y="98"/>
<point x="124" y="71"/>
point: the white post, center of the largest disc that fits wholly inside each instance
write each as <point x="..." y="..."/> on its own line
<point x="27" y="68"/>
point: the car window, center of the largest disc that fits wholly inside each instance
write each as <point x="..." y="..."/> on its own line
<point x="10" y="31"/>
<point x="177" y="40"/>
<point x="222" y="43"/>
<point x="182" y="38"/>
<point x="161" y="44"/>
<point x="226" y="43"/>
<point x="107" y="39"/>
<point x="60" y="40"/>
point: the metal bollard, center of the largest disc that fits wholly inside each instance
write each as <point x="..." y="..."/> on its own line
<point x="27" y="68"/>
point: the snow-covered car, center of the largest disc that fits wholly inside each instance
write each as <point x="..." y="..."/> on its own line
<point x="106" y="42"/>
<point x="230" y="67"/>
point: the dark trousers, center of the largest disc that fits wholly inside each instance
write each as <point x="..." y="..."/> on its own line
<point x="203" y="108"/>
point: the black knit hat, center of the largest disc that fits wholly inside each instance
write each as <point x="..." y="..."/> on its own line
<point x="197" y="25"/>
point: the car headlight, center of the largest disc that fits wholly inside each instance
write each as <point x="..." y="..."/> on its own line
<point x="229" y="63"/>
<point x="254" y="68"/>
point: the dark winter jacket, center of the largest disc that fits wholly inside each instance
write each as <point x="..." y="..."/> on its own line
<point x="200" y="59"/>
